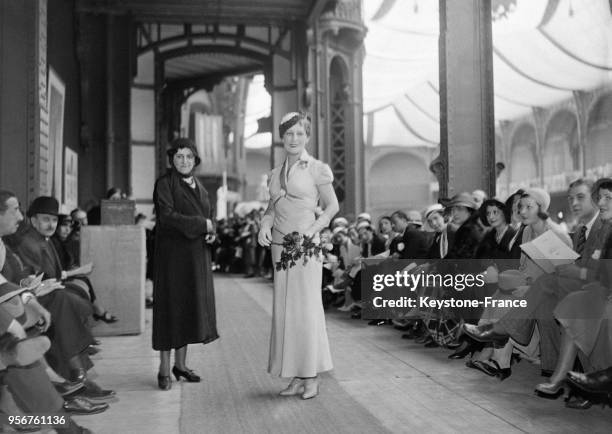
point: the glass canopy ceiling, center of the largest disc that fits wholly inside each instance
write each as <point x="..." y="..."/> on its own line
<point x="543" y="50"/>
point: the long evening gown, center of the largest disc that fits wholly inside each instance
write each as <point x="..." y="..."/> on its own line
<point x="298" y="343"/>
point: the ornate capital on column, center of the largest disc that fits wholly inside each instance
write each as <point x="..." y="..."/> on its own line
<point x="342" y="19"/>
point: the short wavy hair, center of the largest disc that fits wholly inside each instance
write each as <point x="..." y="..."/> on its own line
<point x="182" y="143"/>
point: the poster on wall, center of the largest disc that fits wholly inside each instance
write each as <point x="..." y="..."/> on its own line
<point x="71" y="179"/>
<point x="56" y="96"/>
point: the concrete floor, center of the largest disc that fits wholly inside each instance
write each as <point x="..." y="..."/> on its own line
<point x="380" y="384"/>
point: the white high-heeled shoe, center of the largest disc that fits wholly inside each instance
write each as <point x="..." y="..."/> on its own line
<point x="311" y="388"/>
<point x="296" y="385"/>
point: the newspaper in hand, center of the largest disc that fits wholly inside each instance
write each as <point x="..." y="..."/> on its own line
<point x="548" y="251"/>
<point x="30" y="283"/>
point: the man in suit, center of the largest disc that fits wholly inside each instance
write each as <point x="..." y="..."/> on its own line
<point x="549" y="289"/>
<point x="31" y="250"/>
<point x="412" y="243"/>
<point x="371" y="245"/>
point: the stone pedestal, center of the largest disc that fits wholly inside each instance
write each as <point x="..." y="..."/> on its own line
<point x="119" y="257"/>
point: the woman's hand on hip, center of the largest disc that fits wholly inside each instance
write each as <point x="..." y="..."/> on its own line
<point x="265" y="236"/>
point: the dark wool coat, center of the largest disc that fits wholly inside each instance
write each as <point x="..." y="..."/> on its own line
<point x="491" y="252"/>
<point x="69" y="334"/>
<point x="416" y="244"/>
<point x="184" y="300"/>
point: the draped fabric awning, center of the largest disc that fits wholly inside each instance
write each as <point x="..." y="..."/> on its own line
<point x="258" y="107"/>
<point x="543" y="50"/>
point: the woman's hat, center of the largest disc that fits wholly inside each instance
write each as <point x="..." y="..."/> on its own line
<point x="340" y="221"/>
<point x="496" y="203"/>
<point x="414" y="218"/>
<point x="339" y="229"/>
<point x="44" y="205"/>
<point x="292" y="118"/>
<point x="364" y="225"/>
<point x="433" y="208"/>
<point x="541" y="197"/>
<point x="364" y="216"/>
<point x="63" y="219"/>
<point x="462" y="199"/>
<point x="182" y="143"/>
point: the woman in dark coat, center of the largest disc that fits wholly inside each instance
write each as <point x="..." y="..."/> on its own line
<point x="469" y="234"/>
<point x="184" y="308"/>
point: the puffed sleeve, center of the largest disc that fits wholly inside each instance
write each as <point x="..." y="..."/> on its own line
<point x="323" y="174"/>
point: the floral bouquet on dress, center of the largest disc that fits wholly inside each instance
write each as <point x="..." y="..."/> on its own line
<point x="297" y="246"/>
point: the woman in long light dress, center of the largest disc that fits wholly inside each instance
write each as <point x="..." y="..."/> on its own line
<point x="299" y="347"/>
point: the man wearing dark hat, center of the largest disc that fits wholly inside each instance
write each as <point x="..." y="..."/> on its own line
<point x="29" y="385"/>
<point x="69" y="305"/>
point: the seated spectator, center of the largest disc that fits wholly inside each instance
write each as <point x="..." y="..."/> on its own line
<point x="520" y="323"/>
<point x="29" y="384"/>
<point x="69" y="306"/>
<point x="79" y="217"/>
<point x="494" y="255"/>
<point x="412" y="242"/>
<point x="372" y="243"/>
<point x="65" y="241"/>
<point x="434" y="215"/>
<point x="586" y="315"/>
<point x="385" y="230"/>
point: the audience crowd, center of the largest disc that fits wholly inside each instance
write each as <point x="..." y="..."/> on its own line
<point x="48" y="304"/>
<point x="566" y="326"/>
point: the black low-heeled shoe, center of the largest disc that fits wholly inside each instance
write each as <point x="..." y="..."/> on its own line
<point x="460" y="353"/>
<point x="164" y="382"/>
<point x="188" y="374"/>
<point x="502" y="373"/>
<point x="578" y="403"/>
<point x="470" y="348"/>
<point x="482" y="367"/>
<point x="106" y="317"/>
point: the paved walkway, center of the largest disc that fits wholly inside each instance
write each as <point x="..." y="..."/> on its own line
<point x="380" y="384"/>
